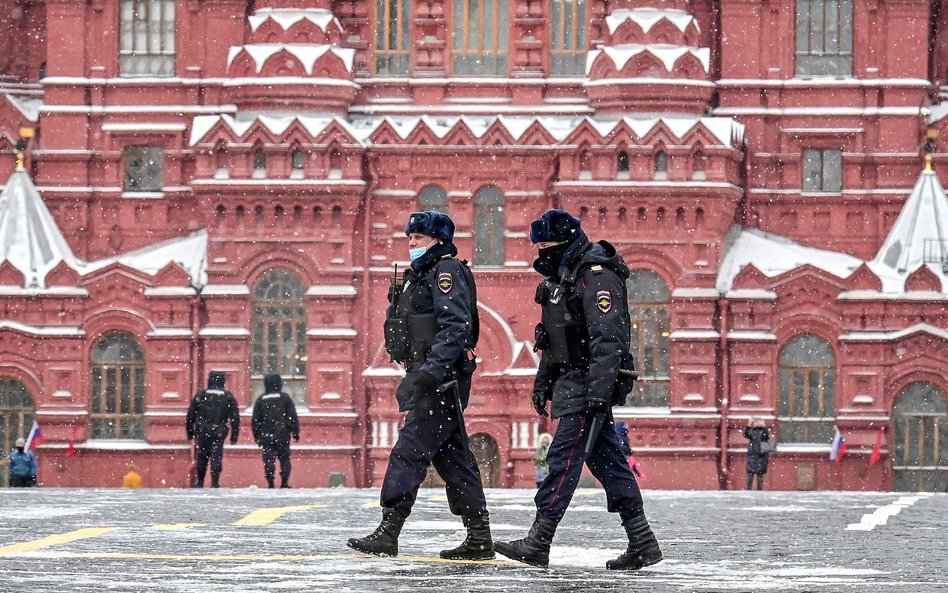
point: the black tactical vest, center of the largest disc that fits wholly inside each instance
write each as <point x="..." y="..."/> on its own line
<point x="561" y="334"/>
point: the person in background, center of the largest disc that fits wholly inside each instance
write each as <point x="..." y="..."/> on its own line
<point x="22" y="466"/>
<point x="539" y="457"/>
<point x="132" y="479"/>
<point x="622" y="431"/>
<point x="756" y="433"/>
<point x="274" y="421"/>
<point x="208" y="415"/>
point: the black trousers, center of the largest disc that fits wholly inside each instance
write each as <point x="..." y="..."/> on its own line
<point x="760" y="480"/>
<point x="606" y="462"/>
<point x="273" y="452"/>
<point x="433" y="437"/>
<point x="22" y="481"/>
<point x="209" y="450"/>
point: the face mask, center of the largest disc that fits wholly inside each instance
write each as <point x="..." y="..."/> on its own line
<point x="416" y="252"/>
<point x="551" y="256"/>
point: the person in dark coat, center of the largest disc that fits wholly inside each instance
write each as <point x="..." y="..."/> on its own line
<point x="208" y="415"/>
<point x="22" y="471"/>
<point x="431" y="327"/>
<point x="757" y="433"/>
<point x="585" y="339"/>
<point x="274" y="421"/>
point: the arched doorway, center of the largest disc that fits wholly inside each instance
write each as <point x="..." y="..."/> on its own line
<point x="920" y="440"/>
<point x="16" y="419"/>
<point x="487" y="456"/>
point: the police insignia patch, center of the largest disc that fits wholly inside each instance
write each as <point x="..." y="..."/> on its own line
<point x="604" y="300"/>
<point x="445" y="282"/>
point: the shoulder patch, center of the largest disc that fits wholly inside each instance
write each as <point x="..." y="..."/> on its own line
<point x="445" y="282"/>
<point x="604" y="301"/>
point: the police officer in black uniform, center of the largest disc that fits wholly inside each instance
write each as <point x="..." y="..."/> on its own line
<point x="431" y="328"/>
<point x="585" y="369"/>
<point x="208" y="415"/>
<point x="274" y="420"/>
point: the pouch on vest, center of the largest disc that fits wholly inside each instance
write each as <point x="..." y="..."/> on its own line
<point x="396" y="339"/>
<point x="422" y="330"/>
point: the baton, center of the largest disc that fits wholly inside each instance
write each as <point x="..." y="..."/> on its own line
<point x="595" y="426"/>
<point x="465" y="443"/>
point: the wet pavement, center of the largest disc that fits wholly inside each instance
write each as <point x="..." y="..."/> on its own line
<point x="256" y="540"/>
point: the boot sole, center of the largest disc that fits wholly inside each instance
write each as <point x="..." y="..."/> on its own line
<point x="509" y="553"/>
<point x="370" y="552"/>
<point x="486" y="556"/>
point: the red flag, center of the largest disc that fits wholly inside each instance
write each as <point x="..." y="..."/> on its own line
<point x="71" y="447"/>
<point x="876" y="454"/>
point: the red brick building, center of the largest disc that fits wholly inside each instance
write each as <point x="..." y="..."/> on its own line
<point x="222" y="184"/>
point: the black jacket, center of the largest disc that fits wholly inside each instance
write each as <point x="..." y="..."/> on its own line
<point x="756" y="456"/>
<point x="597" y="275"/>
<point x="435" y="283"/>
<point x="274" y="418"/>
<point x="209" y="413"/>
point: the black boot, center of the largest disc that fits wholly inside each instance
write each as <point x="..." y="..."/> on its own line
<point x="533" y="549"/>
<point x="269" y="482"/>
<point x="384" y="540"/>
<point x="284" y="483"/>
<point x="215" y="482"/>
<point x="477" y="545"/>
<point x="643" y="547"/>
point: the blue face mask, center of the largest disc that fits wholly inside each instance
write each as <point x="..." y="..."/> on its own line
<point x="416" y="252"/>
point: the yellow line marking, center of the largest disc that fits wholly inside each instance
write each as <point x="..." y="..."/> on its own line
<point x="371" y="505"/>
<point x="175" y="526"/>
<point x="54" y="540"/>
<point x="266" y="516"/>
<point x="437" y="498"/>
<point x="259" y="558"/>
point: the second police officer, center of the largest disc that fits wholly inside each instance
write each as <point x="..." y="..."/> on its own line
<point x="274" y="420"/>
<point x="210" y="411"/>
<point x="431" y="327"/>
<point x="585" y="369"/>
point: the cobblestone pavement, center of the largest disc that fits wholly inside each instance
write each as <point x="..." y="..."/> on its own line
<point x="254" y="540"/>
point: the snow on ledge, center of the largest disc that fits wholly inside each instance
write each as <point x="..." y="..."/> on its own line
<point x="648" y="17"/>
<point x="287" y="17"/>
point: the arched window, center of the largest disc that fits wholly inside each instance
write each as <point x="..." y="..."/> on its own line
<point x="259" y="163"/>
<point x="650" y="311"/>
<point x="806" y="410"/>
<point x="568" y="37"/>
<point x="16" y="418"/>
<point x="661" y="165"/>
<point x="920" y="439"/>
<point x="481" y="31"/>
<point x="622" y="162"/>
<point x="298" y="162"/>
<point x="489" y="227"/>
<point x="146" y="38"/>
<point x="392" y="37"/>
<point x="433" y="197"/>
<point x="117" y="388"/>
<point x="278" y="338"/>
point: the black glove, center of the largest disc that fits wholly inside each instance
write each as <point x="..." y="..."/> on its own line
<point x="233" y="440"/>
<point x="539" y="402"/>
<point x="425" y="384"/>
<point x="598" y="406"/>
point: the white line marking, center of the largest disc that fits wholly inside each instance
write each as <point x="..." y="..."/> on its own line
<point x="881" y="515"/>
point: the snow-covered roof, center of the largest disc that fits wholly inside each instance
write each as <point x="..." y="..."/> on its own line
<point x="32" y="242"/>
<point x="27" y="106"/>
<point x="667" y="54"/>
<point x="287" y="17"/>
<point x="306" y="53"/>
<point x="728" y="131"/>
<point x="774" y="255"/>
<point x="918" y="237"/>
<point x="647" y="17"/>
<point x="30" y="239"/>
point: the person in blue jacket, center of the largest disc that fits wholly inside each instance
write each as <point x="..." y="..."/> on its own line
<point x="22" y="466"/>
<point x="585" y="369"/>
<point x="431" y="328"/>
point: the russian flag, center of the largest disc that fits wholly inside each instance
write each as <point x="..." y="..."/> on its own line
<point x="35" y="438"/>
<point x="838" y="448"/>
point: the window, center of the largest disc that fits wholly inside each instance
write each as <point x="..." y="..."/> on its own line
<point x="279" y="332"/>
<point x="806" y="410"/>
<point x="650" y="313"/>
<point x="824" y="38"/>
<point x="661" y="165"/>
<point x="481" y="31"/>
<point x="823" y="170"/>
<point x="259" y="163"/>
<point x="117" y="388"/>
<point x="392" y="36"/>
<point x="433" y="197"/>
<point x="147" y="38"/>
<point x="568" y="36"/>
<point x="298" y="161"/>
<point x="489" y="227"/>
<point x="16" y="419"/>
<point x="622" y="162"/>
<point x="920" y="439"/>
<point x="144" y="168"/>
